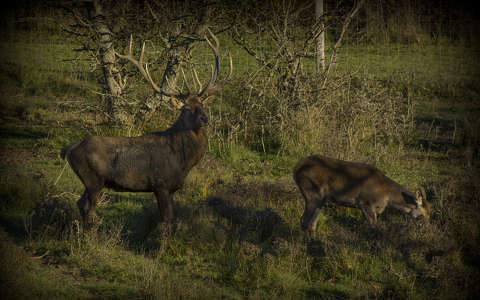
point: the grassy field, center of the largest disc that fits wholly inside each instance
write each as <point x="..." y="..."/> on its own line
<point x="412" y="111"/>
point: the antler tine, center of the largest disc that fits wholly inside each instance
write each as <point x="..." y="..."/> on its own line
<point x="196" y="80"/>
<point x="213" y="84"/>
<point x="229" y="73"/>
<point x="185" y="81"/>
<point x="175" y="92"/>
<point x="178" y="104"/>
<point x="144" y="71"/>
<point x="130" y="45"/>
<point x="215" y="51"/>
<point x="195" y="76"/>
<point x="171" y="85"/>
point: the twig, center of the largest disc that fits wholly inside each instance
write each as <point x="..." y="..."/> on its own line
<point x="41" y="256"/>
<point x="346" y="23"/>
<point x="61" y="173"/>
<point x="65" y="193"/>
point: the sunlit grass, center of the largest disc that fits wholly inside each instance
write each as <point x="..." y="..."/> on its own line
<point x="248" y="243"/>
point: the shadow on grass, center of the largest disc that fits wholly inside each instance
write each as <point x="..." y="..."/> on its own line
<point x="316" y="248"/>
<point x="325" y="293"/>
<point x="411" y="242"/>
<point x="265" y="228"/>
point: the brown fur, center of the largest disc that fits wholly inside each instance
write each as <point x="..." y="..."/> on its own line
<point x="353" y="185"/>
<point x="157" y="162"/>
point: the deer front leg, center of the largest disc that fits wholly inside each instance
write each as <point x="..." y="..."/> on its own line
<point x="165" y="205"/>
<point x="313" y="205"/>
<point x="310" y="216"/>
<point x="309" y="221"/>
<point x="87" y="205"/>
<point x="369" y="214"/>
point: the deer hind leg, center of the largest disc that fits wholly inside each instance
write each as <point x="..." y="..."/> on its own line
<point x="165" y="204"/>
<point x="87" y="204"/>
<point x="93" y="195"/>
<point x="91" y="180"/>
<point x="83" y="206"/>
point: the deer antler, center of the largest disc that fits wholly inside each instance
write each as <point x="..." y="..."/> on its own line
<point x="212" y="84"/>
<point x="176" y="94"/>
<point x="173" y="91"/>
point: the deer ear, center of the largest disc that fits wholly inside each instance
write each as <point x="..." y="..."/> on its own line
<point x="419" y="197"/>
<point x="208" y="100"/>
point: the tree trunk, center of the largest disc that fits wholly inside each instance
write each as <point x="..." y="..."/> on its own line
<point x="112" y="89"/>
<point x="175" y="56"/>
<point x="152" y="102"/>
<point x="320" y="45"/>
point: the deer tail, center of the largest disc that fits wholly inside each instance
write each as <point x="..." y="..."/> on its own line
<point x="65" y="153"/>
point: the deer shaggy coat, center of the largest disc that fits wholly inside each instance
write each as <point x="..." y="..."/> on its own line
<point x="158" y="162"/>
<point x="351" y="184"/>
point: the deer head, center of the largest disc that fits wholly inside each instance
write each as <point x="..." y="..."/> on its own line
<point x="422" y="207"/>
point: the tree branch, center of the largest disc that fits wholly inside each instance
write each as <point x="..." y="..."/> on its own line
<point x="346" y="23"/>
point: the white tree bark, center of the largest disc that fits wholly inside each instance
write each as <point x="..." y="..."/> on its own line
<point x="320" y="44"/>
<point x="112" y="88"/>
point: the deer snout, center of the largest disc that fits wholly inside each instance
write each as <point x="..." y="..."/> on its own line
<point x="420" y="214"/>
<point x="426" y="217"/>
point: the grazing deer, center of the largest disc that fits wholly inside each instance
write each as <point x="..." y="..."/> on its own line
<point x="157" y="162"/>
<point x="353" y="185"/>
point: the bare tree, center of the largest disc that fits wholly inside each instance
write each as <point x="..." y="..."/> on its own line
<point x="346" y="23"/>
<point x="180" y="26"/>
<point x="173" y="27"/>
<point x="90" y="28"/>
<point x="289" y="37"/>
<point x="113" y="83"/>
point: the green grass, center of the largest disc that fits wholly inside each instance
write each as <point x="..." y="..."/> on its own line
<point x="236" y="234"/>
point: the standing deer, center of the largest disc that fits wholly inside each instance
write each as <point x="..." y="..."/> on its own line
<point x="157" y="162"/>
<point x="352" y="185"/>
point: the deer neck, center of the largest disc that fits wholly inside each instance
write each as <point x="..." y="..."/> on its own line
<point x="195" y="143"/>
<point x="398" y="202"/>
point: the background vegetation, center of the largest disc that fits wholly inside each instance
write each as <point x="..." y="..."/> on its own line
<point x="404" y="96"/>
